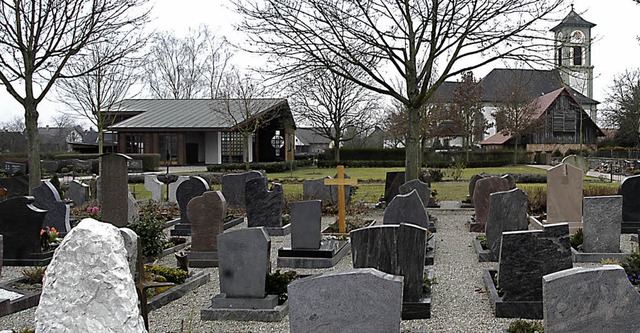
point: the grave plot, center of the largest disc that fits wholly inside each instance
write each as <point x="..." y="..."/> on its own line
<point x="483" y="188"/>
<point x="187" y="190"/>
<point x="264" y="206"/>
<point x="21" y="228"/>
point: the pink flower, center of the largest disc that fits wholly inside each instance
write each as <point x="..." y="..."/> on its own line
<point x="95" y="210"/>
<point x="89" y="209"/>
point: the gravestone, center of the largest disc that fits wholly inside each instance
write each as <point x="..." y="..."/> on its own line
<point x="422" y="188"/>
<point x="264" y="206"/>
<point x="577" y="161"/>
<point x="113" y="189"/>
<point x="564" y="195"/>
<point x="78" y="192"/>
<point x="187" y="190"/>
<point x="472" y="183"/>
<point x="316" y="189"/>
<point x="630" y="191"/>
<point x="308" y="249"/>
<point x="375" y="300"/>
<point x="243" y="266"/>
<point x="406" y="208"/>
<point x="392" y="184"/>
<point x="233" y="187"/>
<point x="206" y="213"/>
<point x="153" y="185"/>
<point x="20" y="225"/>
<point x="590" y="299"/>
<point x="13" y="168"/>
<point x="507" y="212"/>
<point x="398" y="250"/>
<point x="104" y="295"/>
<point x="130" y="241"/>
<point x="48" y="198"/>
<point x="602" y="224"/>
<point x="484" y="187"/>
<point x="16" y="186"/>
<point x="173" y="188"/>
<point x="132" y="208"/>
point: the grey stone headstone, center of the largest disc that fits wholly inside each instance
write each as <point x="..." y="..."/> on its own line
<point x="306" y="218"/>
<point x="602" y="224"/>
<point x="244" y="262"/>
<point x="173" y="188"/>
<point x="316" y="189"/>
<point x="20" y="225"/>
<point x="264" y="206"/>
<point x="187" y="190"/>
<point x="577" y="161"/>
<point x="206" y="213"/>
<point x="472" y="183"/>
<point x="16" y="186"/>
<point x="153" y="185"/>
<point x="424" y="192"/>
<point x="392" y="184"/>
<point x="393" y="249"/>
<point x="104" y="293"/>
<point x="507" y="212"/>
<point x="233" y="186"/>
<point x="113" y="189"/>
<point x="132" y="208"/>
<point x="374" y="298"/>
<point x="526" y="256"/>
<point x="406" y="208"/>
<point x="78" y="192"/>
<point x="590" y="299"/>
<point x="564" y="194"/>
<point x="130" y="241"/>
<point x="484" y="187"/>
<point x="48" y="198"/>
<point x="630" y="191"/>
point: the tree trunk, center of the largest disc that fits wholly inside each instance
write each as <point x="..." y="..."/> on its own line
<point x="336" y="149"/>
<point x="245" y="148"/>
<point x="33" y="143"/>
<point x="515" y="151"/>
<point x="413" y="149"/>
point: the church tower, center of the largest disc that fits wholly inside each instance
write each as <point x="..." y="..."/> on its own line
<point x="572" y="56"/>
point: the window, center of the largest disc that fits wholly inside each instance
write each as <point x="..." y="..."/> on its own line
<point x="134" y="143"/>
<point x="577" y="55"/>
<point x="559" y="56"/>
<point x="168" y="145"/>
<point x="564" y="120"/>
<point x="232" y="147"/>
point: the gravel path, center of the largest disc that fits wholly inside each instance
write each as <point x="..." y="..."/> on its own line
<point x="459" y="301"/>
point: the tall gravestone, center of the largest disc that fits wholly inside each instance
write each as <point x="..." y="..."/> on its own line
<point x="78" y="192"/>
<point x="406" y="208"/>
<point x="173" y="188"/>
<point x="104" y="294"/>
<point x="20" y="225"/>
<point x="153" y="185"/>
<point x="374" y="298"/>
<point x="422" y="188"/>
<point x="113" y="189"/>
<point x="48" y="198"/>
<point x="306" y="218"/>
<point x="233" y="186"/>
<point x="564" y="195"/>
<point x="206" y="213"/>
<point x="264" y="206"/>
<point x="472" y="183"/>
<point x="602" y="224"/>
<point x="187" y="190"/>
<point x="630" y="191"/>
<point x="392" y="184"/>
<point x="507" y="212"/>
<point x="484" y="187"/>
<point x="590" y="300"/>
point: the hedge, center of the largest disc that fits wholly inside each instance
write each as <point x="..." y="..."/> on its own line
<point x="150" y="162"/>
<point x="269" y="167"/>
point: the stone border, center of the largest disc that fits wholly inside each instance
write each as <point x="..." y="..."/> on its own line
<point x="234" y="222"/>
<point x="422" y="308"/>
<point x="509" y="309"/>
<point x="278" y="231"/>
<point x="28" y="299"/>
<point x="430" y="255"/>
<point x="196" y="280"/>
<point x="578" y="256"/>
<point x="265" y="315"/>
<point x="309" y="262"/>
<point x="483" y="255"/>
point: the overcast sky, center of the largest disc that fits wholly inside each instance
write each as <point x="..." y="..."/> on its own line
<point x="615" y="49"/>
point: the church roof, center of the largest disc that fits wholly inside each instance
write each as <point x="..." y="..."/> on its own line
<point x="573" y="19"/>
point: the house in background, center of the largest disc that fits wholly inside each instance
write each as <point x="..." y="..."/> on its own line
<point x="309" y="142"/>
<point x="202" y="131"/>
<point x="12" y="142"/>
<point x="59" y="139"/>
<point x="89" y="142"/>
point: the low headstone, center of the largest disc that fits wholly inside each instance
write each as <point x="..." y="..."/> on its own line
<point x="564" y="195"/>
<point x="233" y="186"/>
<point x="316" y="189"/>
<point x="13" y="169"/>
<point x="406" y="208"/>
<point x="398" y="250"/>
<point x="375" y="300"/>
<point x="188" y="189"/>
<point x="104" y="295"/>
<point x="78" y="192"/>
<point x="602" y="224"/>
<point x="153" y="185"/>
<point x="16" y="186"/>
<point x="132" y="208"/>
<point x="243" y="266"/>
<point x="206" y="213"/>
<point x="484" y="187"/>
<point x="173" y="188"/>
<point x="48" y="198"/>
<point x="114" y="189"/>
<point x="507" y="212"/>
<point x="424" y="192"/>
<point x="264" y="206"/>
<point x="630" y="191"/>
<point x="20" y="226"/>
<point x="590" y="299"/>
<point x="577" y="161"/>
<point x="392" y="184"/>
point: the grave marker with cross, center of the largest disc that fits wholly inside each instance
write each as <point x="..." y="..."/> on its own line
<point x="341" y="182"/>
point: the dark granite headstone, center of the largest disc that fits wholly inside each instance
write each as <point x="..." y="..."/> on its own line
<point x="526" y="256"/>
<point x="424" y="192"/>
<point x="20" y="225"/>
<point x="484" y="187"/>
<point x="13" y="169"/>
<point x="406" y="208"/>
<point x="233" y="186"/>
<point x="507" y="212"/>
<point x="16" y="186"/>
<point x="206" y="213"/>
<point x="113" y="189"/>
<point x="264" y="206"/>
<point x="306" y="218"/>
<point x="472" y="183"/>
<point x="630" y="191"/>
<point x="187" y="190"/>
<point x="78" y="192"/>
<point x="48" y="198"/>
<point x="392" y="185"/>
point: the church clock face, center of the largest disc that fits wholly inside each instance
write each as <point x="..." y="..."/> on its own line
<point x="577" y="37"/>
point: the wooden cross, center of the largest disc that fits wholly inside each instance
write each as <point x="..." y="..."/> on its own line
<point x="142" y="285"/>
<point x="341" y="182"/>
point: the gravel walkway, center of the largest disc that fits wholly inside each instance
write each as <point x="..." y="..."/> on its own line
<point x="459" y="302"/>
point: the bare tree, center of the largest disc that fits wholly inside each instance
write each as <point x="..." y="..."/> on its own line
<point x="38" y="38"/>
<point x="188" y="67"/>
<point x="63" y="124"/>
<point x="623" y="108"/>
<point x="467" y="110"/>
<point x="338" y="109"/>
<point x="395" y="39"/>
<point x="15" y="124"/>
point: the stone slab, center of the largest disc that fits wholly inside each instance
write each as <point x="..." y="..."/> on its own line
<point x="25" y="301"/>
<point x="484" y="255"/>
<point x="602" y="224"/>
<point x="306" y="221"/>
<point x="196" y="280"/>
<point x="278" y="231"/>
<point x="222" y="301"/>
<point x="564" y="194"/>
<point x="509" y="309"/>
<point x="577" y="256"/>
<point x="507" y="212"/>
<point x="392" y="184"/>
<point x="265" y="315"/>
<point x="406" y="208"/>
<point x="295" y="258"/>
<point x="233" y="187"/>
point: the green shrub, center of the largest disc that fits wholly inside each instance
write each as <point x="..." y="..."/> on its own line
<point x="537" y="199"/>
<point x="529" y="178"/>
<point x="556" y="153"/>
<point x="55" y="181"/>
<point x="436" y="175"/>
<point x="276" y="284"/>
<point x="174" y="275"/>
<point x="524" y="326"/>
<point x="632" y="267"/>
<point x="598" y="191"/>
<point x="269" y="167"/>
<point x="150" y="162"/>
<point x="149" y="226"/>
<point x="366" y="154"/>
<point x="577" y="239"/>
<point x="34" y="275"/>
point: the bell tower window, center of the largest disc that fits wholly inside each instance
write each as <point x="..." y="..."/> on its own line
<point x="577" y="55"/>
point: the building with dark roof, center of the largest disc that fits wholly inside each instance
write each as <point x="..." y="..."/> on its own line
<point x="310" y="142"/>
